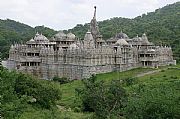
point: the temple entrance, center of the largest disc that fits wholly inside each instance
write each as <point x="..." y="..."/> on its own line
<point x="147" y="63"/>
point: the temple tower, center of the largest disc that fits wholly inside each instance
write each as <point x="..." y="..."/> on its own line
<point x="94" y="29"/>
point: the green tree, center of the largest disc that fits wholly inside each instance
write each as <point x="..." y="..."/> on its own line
<point x="20" y="93"/>
<point x="44" y="93"/>
<point x="107" y="101"/>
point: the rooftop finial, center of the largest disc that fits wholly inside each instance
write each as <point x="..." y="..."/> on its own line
<point x="94" y="12"/>
<point x="37" y="34"/>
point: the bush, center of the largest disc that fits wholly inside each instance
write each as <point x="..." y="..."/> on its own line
<point x="164" y="75"/>
<point x="107" y="101"/>
<point x="44" y="93"/>
<point x="174" y="77"/>
<point x="62" y="80"/>
<point x="129" y="81"/>
<point x="77" y="109"/>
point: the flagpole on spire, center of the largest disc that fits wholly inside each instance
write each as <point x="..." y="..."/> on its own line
<point x="94" y="12"/>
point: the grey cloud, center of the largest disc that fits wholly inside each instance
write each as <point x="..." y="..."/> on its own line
<point x="64" y="14"/>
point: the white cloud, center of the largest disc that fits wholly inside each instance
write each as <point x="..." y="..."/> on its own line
<point x="64" y="14"/>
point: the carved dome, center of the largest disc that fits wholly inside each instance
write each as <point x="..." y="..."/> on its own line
<point x="121" y="42"/>
<point x="40" y="38"/>
<point x="60" y="35"/>
<point x="145" y="40"/>
<point x="32" y="40"/>
<point x="88" y="40"/>
<point x="137" y="39"/>
<point x="71" y="36"/>
<point x="88" y="36"/>
<point x="121" y="35"/>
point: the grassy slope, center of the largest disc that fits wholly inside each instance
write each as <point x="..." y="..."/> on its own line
<point x="165" y="76"/>
<point x="68" y="95"/>
<point x="69" y="101"/>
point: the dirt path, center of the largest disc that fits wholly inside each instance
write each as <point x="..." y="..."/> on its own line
<point x="149" y="72"/>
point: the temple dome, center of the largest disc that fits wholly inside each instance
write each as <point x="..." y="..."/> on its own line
<point x="40" y="38"/>
<point x="60" y="35"/>
<point x="121" y="42"/>
<point x="88" y="36"/>
<point x="88" y="40"/>
<point x="145" y="40"/>
<point x="32" y="40"/>
<point x="121" y="35"/>
<point x="137" y="39"/>
<point x="71" y="36"/>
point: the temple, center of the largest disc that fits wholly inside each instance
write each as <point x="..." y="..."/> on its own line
<point x="64" y="55"/>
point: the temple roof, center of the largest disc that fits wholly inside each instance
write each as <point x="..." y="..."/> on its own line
<point x="121" y="35"/>
<point x="121" y="42"/>
<point x="71" y="36"/>
<point x="88" y="36"/>
<point x="60" y="35"/>
<point x="40" y="38"/>
<point x="145" y="40"/>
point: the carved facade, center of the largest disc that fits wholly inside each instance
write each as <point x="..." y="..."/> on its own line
<point x="64" y="55"/>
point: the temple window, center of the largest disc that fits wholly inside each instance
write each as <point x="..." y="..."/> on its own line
<point x="36" y="54"/>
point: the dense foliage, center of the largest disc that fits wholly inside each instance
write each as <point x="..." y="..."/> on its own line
<point x="15" y="32"/>
<point x="19" y="92"/>
<point x="154" y="101"/>
<point x="105" y="100"/>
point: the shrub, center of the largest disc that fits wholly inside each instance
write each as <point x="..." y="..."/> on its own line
<point x="105" y="100"/>
<point x="129" y="81"/>
<point x="62" y="80"/>
<point x="164" y="75"/>
<point x="77" y="109"/>
<point x="43" y="92"/>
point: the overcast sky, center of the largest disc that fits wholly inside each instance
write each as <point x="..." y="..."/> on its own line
<point x="65" y="14"/>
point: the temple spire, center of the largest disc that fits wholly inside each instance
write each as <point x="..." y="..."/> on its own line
<point x="94" y="12"/>
<point x="94" y="29"/>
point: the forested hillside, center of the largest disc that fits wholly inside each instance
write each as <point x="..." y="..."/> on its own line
<point x="161" y="27"/>
<point x="12" y="31"/>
